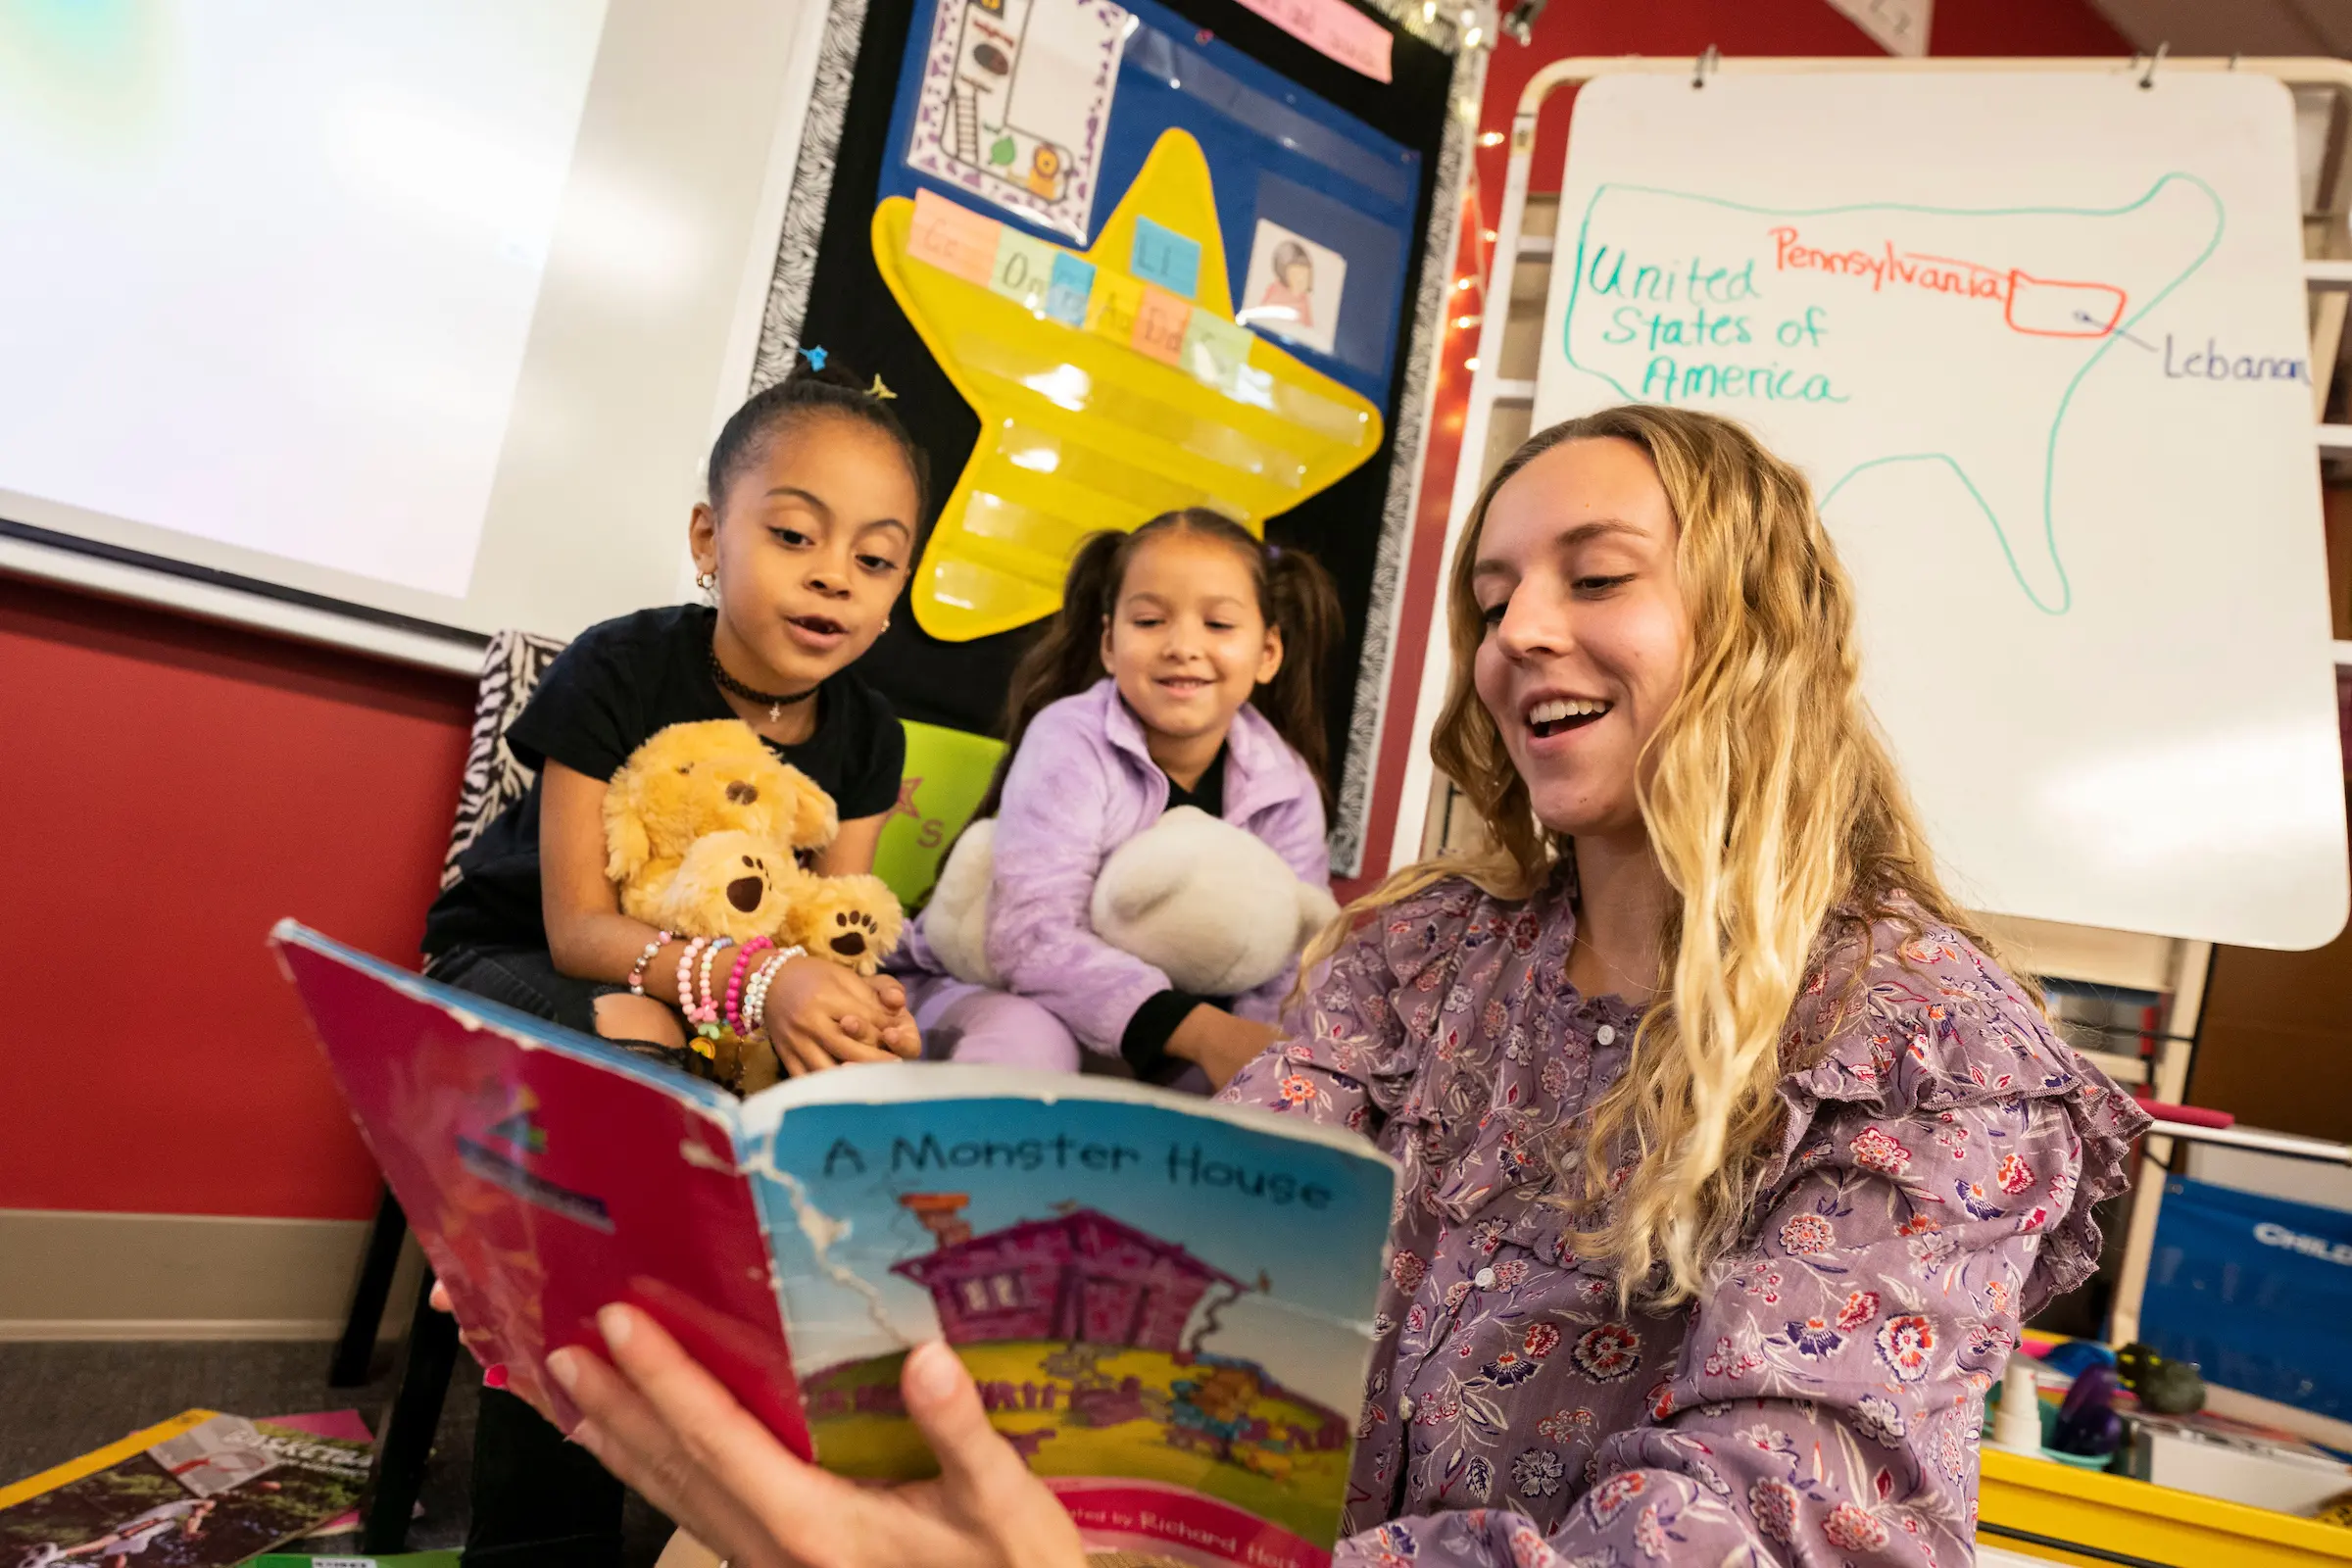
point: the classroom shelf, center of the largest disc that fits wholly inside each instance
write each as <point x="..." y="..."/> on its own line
<point x="2024" y="1501"/>
<point x="2254" y="1137"/>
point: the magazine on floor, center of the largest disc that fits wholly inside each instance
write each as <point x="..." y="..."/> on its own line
<point x="202" y="1490"/>
<point x="1166" y="1303"/>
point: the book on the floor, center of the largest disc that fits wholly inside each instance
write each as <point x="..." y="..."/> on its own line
<point x="345" y="1424"/>
<point x="202" y="1490"/>
<point x="1166" y="1302"/>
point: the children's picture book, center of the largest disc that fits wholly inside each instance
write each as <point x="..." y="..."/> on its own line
<point x="1166" y="1302"/>
<point x="333" y="1424"/>
<point x="202" y="1490"/>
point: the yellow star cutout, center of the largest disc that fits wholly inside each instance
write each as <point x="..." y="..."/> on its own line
<point x="1104" y="400"/>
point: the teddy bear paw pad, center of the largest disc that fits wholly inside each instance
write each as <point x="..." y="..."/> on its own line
<point x="858" y="933"/>
<point x="746" y="892"/>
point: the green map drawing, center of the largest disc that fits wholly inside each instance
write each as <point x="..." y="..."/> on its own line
<point x="1746" y="319"/>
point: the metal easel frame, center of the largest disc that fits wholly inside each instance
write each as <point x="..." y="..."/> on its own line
<point x="2176" y="967"/>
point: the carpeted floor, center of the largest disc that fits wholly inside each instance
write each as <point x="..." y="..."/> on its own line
<point x="61" y="1400"/>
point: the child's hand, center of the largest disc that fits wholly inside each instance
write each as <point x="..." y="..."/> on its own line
<point x="900" y="1034"/>
<point x="819" y="1016"/>
<point x="1221" y="1044"/>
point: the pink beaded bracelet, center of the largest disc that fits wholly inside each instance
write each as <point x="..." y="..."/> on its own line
<point x="732" y="1013"/>
<point x="686" y="975"/>
<point x="652" y="950"/>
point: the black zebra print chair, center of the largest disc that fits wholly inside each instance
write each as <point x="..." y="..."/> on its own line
<point x="510" y="669"/>
<point x="494" y="780"/>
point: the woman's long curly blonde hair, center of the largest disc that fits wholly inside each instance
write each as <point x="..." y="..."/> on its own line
<point x="1771" y="807"/>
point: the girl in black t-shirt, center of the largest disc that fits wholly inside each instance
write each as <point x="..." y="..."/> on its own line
<point x="815" y="494"/>
<point x="810" y="531"/>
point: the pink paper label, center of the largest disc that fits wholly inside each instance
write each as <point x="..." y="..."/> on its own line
<point x="1334" y="26"/>
<point x="953" y="238"/>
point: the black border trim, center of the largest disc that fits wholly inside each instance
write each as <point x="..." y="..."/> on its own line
<point x="2055" y="1543"/>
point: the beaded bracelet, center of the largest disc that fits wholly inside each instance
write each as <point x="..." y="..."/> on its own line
<point x="732" y="1013"/>
<point x="652" y="950"/>
<point x="705" y="1017"/>
<point x="755" y="995"/>
<point x="724" y="1006"/>
<point x="686" y="975"/>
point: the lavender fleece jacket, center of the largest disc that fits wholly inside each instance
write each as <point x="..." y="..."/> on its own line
<point x="1082" y="784"/>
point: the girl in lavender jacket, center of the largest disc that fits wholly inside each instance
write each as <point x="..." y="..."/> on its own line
<point x="1214" y="645"/>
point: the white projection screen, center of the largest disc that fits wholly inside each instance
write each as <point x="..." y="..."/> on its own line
<point x="367" y="319"/>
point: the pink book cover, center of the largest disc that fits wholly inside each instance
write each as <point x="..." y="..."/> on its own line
<point x="1166" y="1303"/>
<point x="545" y="1181"/>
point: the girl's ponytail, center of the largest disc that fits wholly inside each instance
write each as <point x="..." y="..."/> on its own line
<point x="1304" y="604"/>
<point x="1069" y="658"/>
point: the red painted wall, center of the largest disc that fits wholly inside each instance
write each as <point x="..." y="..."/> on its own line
<point x="171" y="788"/>
<point x="1680" y="29"/>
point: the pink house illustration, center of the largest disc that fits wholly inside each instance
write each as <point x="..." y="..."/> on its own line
<point x="1079" y="1276"/>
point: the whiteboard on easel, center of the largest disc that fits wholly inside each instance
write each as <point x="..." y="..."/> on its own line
<point x="2040" y="343"/>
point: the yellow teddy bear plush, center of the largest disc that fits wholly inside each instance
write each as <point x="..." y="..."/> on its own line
<point x="691" y="780"/>
<point x="703" y="829"/>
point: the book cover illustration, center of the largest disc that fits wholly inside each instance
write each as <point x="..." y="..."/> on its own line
<point x="201" y="1491"/>
<point x="1165" y="1305"/>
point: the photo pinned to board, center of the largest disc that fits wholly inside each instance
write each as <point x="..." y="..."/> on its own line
<point x="1292" y="288"/>
<point x="1015" y="102"/>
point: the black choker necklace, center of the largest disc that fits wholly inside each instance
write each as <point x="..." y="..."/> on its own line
<point x="775" y="704"/>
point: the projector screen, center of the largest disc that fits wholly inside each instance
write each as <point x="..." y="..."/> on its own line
<point x="422" y="312"/>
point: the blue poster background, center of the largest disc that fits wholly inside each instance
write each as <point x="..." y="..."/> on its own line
<point x="1274" y="149"/>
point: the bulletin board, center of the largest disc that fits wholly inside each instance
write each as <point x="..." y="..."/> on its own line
<point x="1278" y="155"/>
<point x="1225" y="140"/>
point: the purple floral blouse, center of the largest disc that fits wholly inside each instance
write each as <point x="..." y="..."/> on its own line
<point x="1820" y="1402"/>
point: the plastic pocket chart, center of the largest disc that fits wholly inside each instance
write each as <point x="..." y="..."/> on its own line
<point x="1105" y="398"/>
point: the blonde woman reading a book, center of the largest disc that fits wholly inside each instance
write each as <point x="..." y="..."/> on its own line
<point x="1731" y="1158"/>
